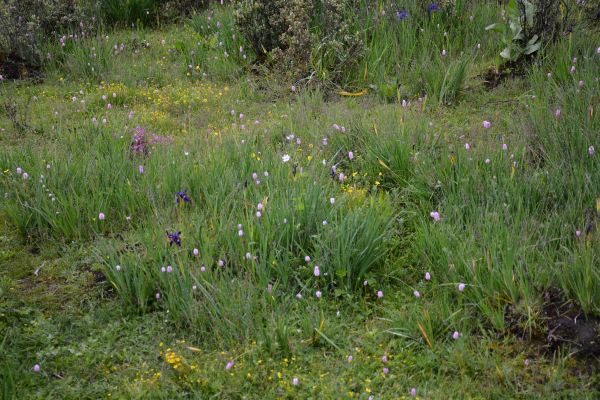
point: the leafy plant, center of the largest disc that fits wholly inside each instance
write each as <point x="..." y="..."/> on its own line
<point x="24" y="25"/>
<point x="301" y="37"/>
<point x="516" y="30"/>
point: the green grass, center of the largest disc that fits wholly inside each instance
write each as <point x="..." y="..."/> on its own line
<point x="108" y="308"/>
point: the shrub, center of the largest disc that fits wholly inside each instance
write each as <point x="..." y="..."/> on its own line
<point x="24" y="24"/>
<point x="287" y="33"/>
<point x="278" y="27"/>
<point x="546" y="18"/>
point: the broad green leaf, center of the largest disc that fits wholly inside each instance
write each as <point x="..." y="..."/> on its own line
<point x="515" y="27"/>
<point x="533" y="40"/>
<point x="495" y="27"/>
<point x="529" y="12"/>
<point x="532" y="48"/>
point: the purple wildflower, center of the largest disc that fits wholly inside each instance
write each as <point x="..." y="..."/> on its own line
<point x="141" y="141"/>
<point x="182" y="196"/>
<point x="401" y="15"/>
<point x="174" y="238"/>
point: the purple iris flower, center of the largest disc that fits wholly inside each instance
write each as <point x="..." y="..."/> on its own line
<point x="174" y="238"/>
<point x="433" y="7"/>
<point x="401" y="15"/>
<point x="181" y="196"/>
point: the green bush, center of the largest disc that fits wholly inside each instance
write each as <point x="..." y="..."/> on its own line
<point x="25" y="24"/>
<point x="288" y="34"/>
<point x="277" y="27"/>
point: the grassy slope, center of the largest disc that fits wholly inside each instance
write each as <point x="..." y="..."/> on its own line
<point x="69" y="321"/>
<point x="92" y="349"/>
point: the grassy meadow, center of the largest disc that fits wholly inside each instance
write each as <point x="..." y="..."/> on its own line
<point x="176" y="222"/>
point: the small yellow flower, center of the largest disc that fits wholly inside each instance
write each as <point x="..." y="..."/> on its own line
<point x="453" y="158"/>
